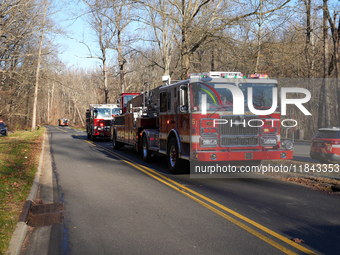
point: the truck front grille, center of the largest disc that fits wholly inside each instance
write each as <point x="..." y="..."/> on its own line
<point x="240" y="129"/>
<point x="240" y="141"/>
<point x="240" y="134"/>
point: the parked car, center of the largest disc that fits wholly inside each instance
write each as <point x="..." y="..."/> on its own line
<point x="3" y="129"/>
<point x="325" y="145"/>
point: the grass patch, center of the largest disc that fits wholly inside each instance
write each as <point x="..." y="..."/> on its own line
<point x="19" y="158"/>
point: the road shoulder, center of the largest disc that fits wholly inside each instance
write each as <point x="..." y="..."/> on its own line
<point x="23" y="239"/>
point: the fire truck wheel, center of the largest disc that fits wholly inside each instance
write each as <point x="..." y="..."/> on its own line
<point x="146" y="153"/>
<point x="174" y="162"/>
<point x="88" y="135"/>
<point x="93" y="137"/>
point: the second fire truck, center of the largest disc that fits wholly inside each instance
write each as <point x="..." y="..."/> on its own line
<point x="193" y="120"/>
<point x="98" y="120"/>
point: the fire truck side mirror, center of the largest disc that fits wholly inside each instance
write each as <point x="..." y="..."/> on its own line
<point x="183" y="102"/>
<point x="183" y="109"/>
<point x="88" y="113"/>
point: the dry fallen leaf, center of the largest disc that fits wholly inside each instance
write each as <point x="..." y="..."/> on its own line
<point x="297" y="240"/>
<point x="38" y="201"/>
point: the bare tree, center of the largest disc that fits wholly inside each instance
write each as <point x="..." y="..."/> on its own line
<point x="163" y="30"/>
<point x="121" y="18"/>
<point x="18" y="21"/>
<point x="38" y="66"/>
<point x="324" y="94"/>
<point x="334" y="62"/>
<point x="198" y="21"/>
<point x="259" y="38"/>
<point x="98" y="18"/>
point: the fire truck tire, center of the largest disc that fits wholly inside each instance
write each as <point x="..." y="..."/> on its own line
<point x="93" y="137"/>
<point x="146" y="153"/>
<point x="88" y="135"/>
<point x="176" y="165"/>
<point x="115" y="144"/>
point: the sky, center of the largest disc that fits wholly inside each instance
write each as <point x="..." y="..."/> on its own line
<point x="74" y="53"/>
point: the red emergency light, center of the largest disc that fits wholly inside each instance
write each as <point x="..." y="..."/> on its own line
<point x="258" y="76"/>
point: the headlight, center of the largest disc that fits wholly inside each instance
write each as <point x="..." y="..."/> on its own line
<point x="288" y="145"/>
<point x="269" y="141"/>
<point x="208" y="142"/>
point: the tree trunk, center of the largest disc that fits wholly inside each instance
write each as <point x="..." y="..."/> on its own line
<point x="336" y="56"/>
<point x="52" y="97"/>
<point x="167" y="61"/>
<point x="105" y="76"/>
<point x="185" y="57"/>
<point x="185" y="66"/>
<point x="121" y="62"/>
<point x="74" y="110"/>
<point x="34" y="117"/>
<point x="324" y="89"/>
<point x="308" y="37"/>
<point x="212" y="60"/>
<point x="48" y="106"/>
<point x="259" y="40"/>
<point x="81" y="118"/>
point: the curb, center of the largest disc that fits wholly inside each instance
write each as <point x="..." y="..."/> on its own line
<point x="21" y="228"/>
<point x="18" y="238"/>
<point x="25" y="211"/>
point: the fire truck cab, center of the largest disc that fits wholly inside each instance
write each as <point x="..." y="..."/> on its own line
<point x="123" y="100"/>
<point x="98" y="120"/>
<point x="193" y="120"/>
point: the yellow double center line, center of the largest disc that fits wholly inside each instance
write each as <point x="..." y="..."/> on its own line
<point x="61" y="130"/>
<point x="195" y="196"/>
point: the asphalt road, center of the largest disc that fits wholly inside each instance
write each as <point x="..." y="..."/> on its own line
<point x="301" y="152"/>
<point x="116" y="204"/>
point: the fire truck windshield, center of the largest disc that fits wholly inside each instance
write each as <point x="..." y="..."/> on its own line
<point x="262" y="94"/>
<point x="104" y="113"/>
<point x="219" y="98"/>
<point x="115" y="111"/>
<point x="127" y="98"/>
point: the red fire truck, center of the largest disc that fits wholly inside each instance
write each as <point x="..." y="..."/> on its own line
<point x="98" y="120"/>
<point x="63" y="122"/>
<point x="193" y="120"/>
